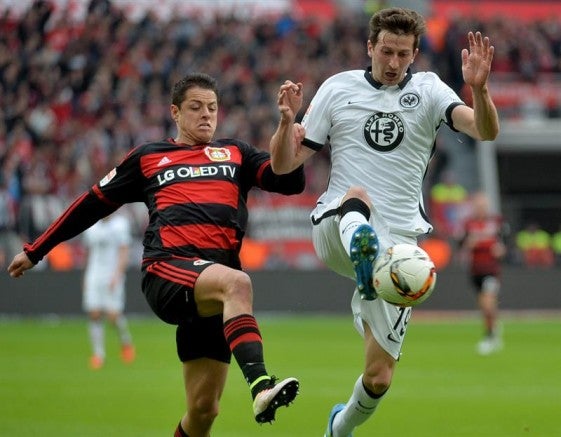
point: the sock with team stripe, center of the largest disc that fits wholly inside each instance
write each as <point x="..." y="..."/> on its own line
<point x="179" y="432"/>
<point x="244" y="338"/>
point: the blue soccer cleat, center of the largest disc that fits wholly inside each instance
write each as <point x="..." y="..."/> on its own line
<point x="334" y="411"/>
<point x="364" y="250"/>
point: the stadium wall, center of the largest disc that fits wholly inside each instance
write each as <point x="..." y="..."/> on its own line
<point x="293" y="291"/>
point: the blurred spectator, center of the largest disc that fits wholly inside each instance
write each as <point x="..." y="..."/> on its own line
<point x="76" y="90"/>
<point x="447" y="204"/>
<point x="534" y="244"/>
<point x="10" y="243"/>
<point x="556" y="246"/>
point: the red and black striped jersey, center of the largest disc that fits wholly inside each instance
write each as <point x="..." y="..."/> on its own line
<point x="485" y="233"/>
<point x="196" y="198"/>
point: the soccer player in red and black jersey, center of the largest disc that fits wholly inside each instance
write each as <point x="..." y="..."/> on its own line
<point x="195" y="189"/>
<point x="483" y="243"/>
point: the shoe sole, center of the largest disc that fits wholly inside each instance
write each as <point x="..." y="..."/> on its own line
<point x="364" y="251"/>
<point x="283" y="398"/>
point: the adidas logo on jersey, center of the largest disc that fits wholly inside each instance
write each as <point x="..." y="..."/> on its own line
<point x="165" y="160"/>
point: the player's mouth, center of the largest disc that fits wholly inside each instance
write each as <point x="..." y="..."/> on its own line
<point x="391" y="77"/>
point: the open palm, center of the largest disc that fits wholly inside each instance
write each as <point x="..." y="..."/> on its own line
<point x="476" y="62"/>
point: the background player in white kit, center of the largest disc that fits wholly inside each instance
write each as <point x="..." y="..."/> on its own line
<point x="381" y="124"/>
<point x="107" y="243"/>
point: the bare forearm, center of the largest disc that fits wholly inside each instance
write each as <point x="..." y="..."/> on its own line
<point x="287" y="153"/>
<point x="123" y="260"/>
<point x="281" y="148"/>
<point x="486" y="116"/>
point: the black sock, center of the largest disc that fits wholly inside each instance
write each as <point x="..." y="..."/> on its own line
<point x="244" y="338"/>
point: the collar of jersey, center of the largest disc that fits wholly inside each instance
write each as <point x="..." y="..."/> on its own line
<point x="379" y="85"/>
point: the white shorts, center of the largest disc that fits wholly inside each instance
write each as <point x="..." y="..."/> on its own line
<point x="98" y="296"/>
<point x="387" y="322"/>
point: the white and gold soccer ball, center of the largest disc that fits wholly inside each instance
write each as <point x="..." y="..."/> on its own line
<point x="404" y="275"/>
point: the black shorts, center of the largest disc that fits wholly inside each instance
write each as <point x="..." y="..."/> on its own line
<point x="487" y="281"/>
<point x="169" y="290"/>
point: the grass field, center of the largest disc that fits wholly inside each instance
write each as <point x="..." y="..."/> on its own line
<point x="441" y="386"/>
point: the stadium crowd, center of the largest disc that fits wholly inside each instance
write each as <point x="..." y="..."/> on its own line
<point x="76" y="95"/>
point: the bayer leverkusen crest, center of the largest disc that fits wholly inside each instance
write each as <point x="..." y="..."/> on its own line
<point x="217" y="153"/>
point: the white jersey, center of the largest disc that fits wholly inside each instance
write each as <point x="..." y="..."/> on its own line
<point x="381" y="138"/>
<point x="103" y="241"/>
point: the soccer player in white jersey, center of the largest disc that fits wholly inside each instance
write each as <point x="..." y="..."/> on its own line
<point x="107" y="243"/>
<point x="381" y="124"/>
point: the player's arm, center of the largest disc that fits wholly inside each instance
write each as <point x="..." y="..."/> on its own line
<point x="287" y="153"/>
<point x="482" y="121"/>
<point x="122" y="264"/>
<point x="288" y="183"/>
<point x="124" y="239"/>
<point x="80" y="215"/>
<point x="500" y="247"/>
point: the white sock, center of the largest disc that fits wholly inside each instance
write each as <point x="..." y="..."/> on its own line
<point x="123" y="329"/>
<point x="347" y="226"/>
<point x="357" y="410"/>
<point x="97" y="337"/>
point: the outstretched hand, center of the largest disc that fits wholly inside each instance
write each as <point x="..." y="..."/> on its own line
<point x="290" y="99"/>
<point x="476" y="62"/>
<point x="19" y="264"/>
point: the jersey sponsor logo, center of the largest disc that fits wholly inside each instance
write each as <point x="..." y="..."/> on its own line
<point x="217" y="153"/>
<point x="201" y="262"/>
<point x="409" y="100"/>
<point x="107" y="178"/>
<point x="196" y="172"/>
<point x="384" y="131"/>
<point x="165" y="160"/>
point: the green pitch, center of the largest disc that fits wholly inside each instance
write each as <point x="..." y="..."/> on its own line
<point x="441" y="387"/>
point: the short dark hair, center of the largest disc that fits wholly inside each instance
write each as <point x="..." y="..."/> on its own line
<point x="400" y="21"/>
<point x="192" y="80"/>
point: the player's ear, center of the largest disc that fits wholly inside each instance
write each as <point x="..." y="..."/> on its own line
<point x="369" y="48"/>
<point x="414" y="55"/>
<point x="174" y="111"/>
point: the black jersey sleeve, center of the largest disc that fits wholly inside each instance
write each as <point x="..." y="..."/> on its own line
<point x="290" y="183"/>
<point x="79" y="216"/>
<point x="125" y="183"/>
<point x="257" y="163"/>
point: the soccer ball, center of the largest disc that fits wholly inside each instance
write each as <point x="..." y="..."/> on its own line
<point x="404" y="275"/>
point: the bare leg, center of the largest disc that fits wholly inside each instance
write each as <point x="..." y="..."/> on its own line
<point x="204" y="383"/>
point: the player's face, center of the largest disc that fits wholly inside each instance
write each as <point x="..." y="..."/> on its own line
<point x="196" y="118"/>
<point x="391" y="57"/>
<point x="480" y="204"/>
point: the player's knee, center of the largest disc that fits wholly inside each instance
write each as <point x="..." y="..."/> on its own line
<point x="95" y="315"/>
<point x="358" y="192"/>
<point x="356" y="200"/>
<point x="239" y="286"/>
<point x="204" y="411"/>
